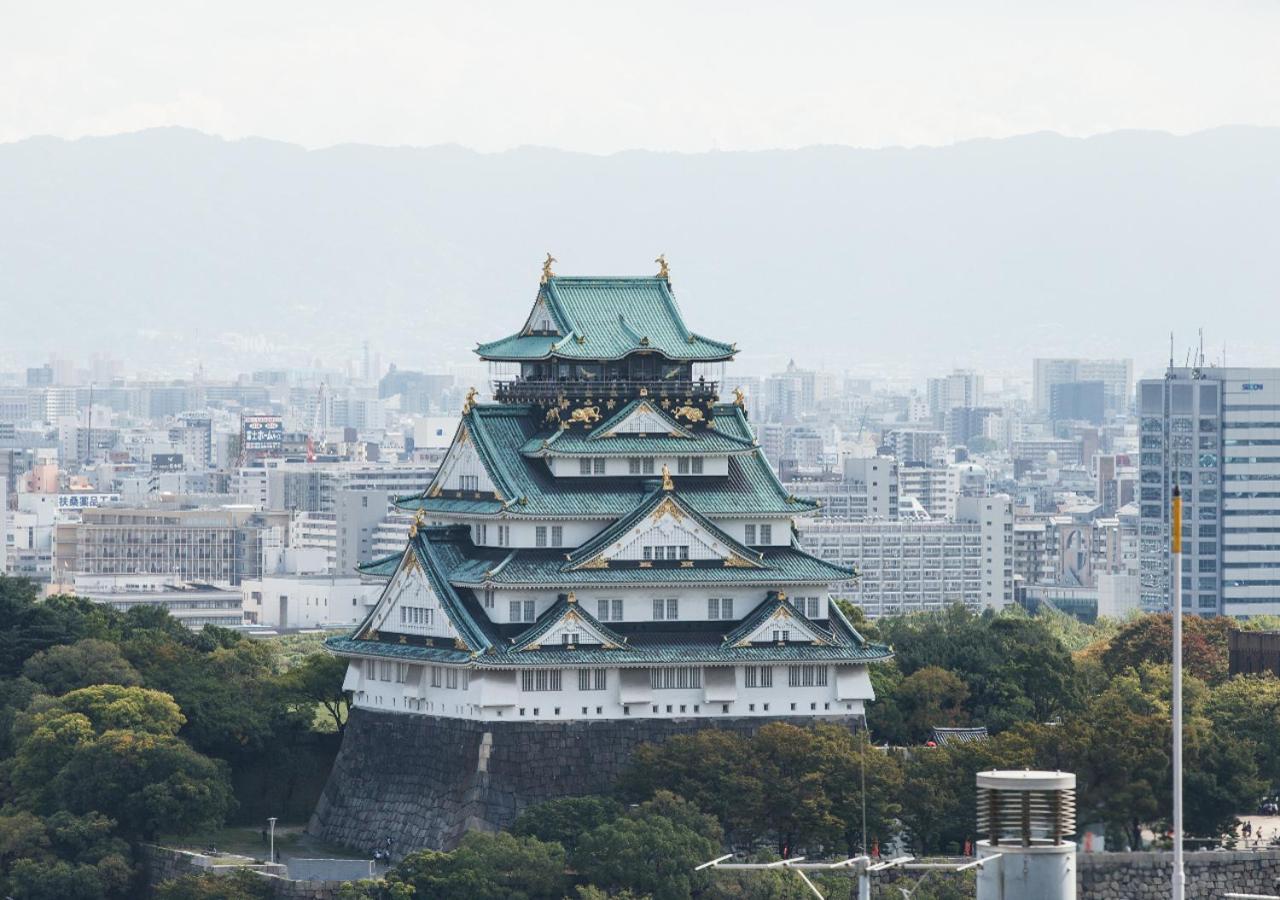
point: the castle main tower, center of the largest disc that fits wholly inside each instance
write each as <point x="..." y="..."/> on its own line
<point x="605" y="557"/>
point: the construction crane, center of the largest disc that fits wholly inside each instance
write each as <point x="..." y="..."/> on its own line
<point x="315" y="434"/>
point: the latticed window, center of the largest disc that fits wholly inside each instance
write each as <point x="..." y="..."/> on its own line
<point x="806" y="676"/>
<point x="677" y="678"/>
<point x="540" y="680"/>
<point x="593" y="679"/>
<point x="758" y="676"/>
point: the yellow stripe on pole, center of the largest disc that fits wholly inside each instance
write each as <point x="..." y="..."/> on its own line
<point x="1177" y="521"/>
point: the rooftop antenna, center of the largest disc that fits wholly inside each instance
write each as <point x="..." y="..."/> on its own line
<point x="1170" y="349"/>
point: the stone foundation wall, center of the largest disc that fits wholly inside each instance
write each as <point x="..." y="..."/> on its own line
<point x="1146" y="876"/>
<point x="424" y="781"/>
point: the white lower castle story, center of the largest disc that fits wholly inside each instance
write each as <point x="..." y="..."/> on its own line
<point x="602" y="692"/>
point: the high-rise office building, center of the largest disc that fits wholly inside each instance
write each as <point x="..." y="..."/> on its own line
<point x="1116" y="376"/>
<point x="1216" y="434"/>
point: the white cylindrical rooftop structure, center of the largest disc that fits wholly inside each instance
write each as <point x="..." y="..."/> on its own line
<point x="1026" y="818"/>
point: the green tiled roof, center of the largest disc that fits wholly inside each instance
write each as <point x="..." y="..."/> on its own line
<point x="381" y="568"/>
<point x="501" y="431"/>
<point x="539" y="568"/>
<point x="627" y="522"/>
<point x="607" y="318"/>
<point x="443" y="550"/>
<point x="635" y="654"/>
<point x="726" y="438"/>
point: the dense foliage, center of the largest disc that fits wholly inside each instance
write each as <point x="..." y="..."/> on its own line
<point x="115" y="728"/>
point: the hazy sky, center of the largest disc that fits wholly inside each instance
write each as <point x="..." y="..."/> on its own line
<point x="603" y="76"/>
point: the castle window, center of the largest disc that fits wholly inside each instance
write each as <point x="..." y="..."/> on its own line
<point x="557" y="535"/>
<point x="750" y="531"/>
<point x="781" y="636"/>
<point x="697" y="465"/>
<point x="451" y="679"/>
<point x="416" y="615"/>
<point x="384" y="670"/>
<point x="402" y="672"/>
<point x="676" y="678"/>
<point x="720" y="608"/>
<point x="633" y="466"/>
<point x="435" y="676"/>
<point x="757" y="676"/>
<point x="766" y="534"/>
<point x="540" y="680"/>
<point x="570" y="638"/>
<point x="593" y="679"/>
<point x="540" y="535"/>
<point x="598" y="465"/>
<point x="469" y="482"/>
<point x="806" y="676"/>
<point x="584" y="466"/>
<point x="521" y="611"/>
<point x="666" y="609"/>
<point x="682" y="466"/>
<point x="488" y="598"/>
<point x="610" y="610"/>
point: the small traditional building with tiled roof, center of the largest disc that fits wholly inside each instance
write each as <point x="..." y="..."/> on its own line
<point x="606" y="542"/>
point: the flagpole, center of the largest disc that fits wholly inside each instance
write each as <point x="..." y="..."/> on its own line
<point x="1179" y="876"/>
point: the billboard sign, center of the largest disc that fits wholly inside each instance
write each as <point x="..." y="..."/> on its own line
<point x="262" y="434"/>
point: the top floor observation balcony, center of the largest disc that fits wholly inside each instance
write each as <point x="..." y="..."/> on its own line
<point x="548" y="390"/>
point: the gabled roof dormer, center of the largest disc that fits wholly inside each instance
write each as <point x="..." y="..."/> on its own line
<point x="542" y="319"/>
<point x="640" y="418"/>
<point x="776" y="621"/>
<point x="566" y="625"/>
<point x="420" y="606"/>
<point x="663" y="531"/>
<point x="469" y="470"/>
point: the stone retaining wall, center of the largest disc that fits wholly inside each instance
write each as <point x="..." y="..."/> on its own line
<point x="424" y="781"/>
<point x="1210" y="874"/>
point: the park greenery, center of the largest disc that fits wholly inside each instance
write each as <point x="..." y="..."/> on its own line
<point x="118" y="728"/>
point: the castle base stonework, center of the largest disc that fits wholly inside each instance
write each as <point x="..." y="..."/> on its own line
<point x="424" y="781"/>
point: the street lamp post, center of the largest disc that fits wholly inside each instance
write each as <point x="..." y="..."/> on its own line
<point x="272" y="822"/>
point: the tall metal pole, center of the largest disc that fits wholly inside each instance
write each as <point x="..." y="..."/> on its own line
<point x="1179" y="876"/>
<point x="272" y="851"/>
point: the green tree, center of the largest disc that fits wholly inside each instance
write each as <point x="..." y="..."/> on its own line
<point x="238" y="885"/>
<point x="649" y="851"/>
<point x="840" y="757"/>
<point x="1150" y="639"/>
<point x="713" y="769"/>
<point x="147" y="783"/>
<point x="928" y="697"/>
<point x="486" y="867"/>
<point x="87" y="662"/>
<point x="565" y="819"/>
<point x="317" y="679"/>
<point x="1246" y="708"/>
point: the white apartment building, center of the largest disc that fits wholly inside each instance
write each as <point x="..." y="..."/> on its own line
<point x="308" y="601"/>
<point x="914" y="566"/>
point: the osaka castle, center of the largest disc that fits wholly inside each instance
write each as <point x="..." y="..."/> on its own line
<point x="604" y="553"/>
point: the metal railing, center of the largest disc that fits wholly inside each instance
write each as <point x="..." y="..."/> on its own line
<point x="551" y="389"/>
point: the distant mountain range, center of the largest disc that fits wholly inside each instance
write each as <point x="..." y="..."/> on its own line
<point x="170" y="247"/>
